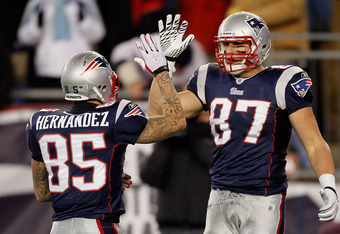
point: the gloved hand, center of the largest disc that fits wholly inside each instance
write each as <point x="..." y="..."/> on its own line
<point x="329" y="211"/>
<point x="171" y="39"/>
<point x="153" y="58"/>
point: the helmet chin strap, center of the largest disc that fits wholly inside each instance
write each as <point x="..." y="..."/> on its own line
<point x="236" y="72"/>
<point x="99" y="95"/>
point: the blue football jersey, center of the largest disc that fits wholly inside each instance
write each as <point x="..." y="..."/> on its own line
<point x="250" y="125"/>
<point x="84" y="156"/>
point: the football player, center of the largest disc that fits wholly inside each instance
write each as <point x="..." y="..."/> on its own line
<point x="252" y="112"/>
<point x="78" y="154"/>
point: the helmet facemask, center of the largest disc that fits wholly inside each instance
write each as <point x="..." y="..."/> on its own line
<point x="226" y="61"/>
<point x="115" y="87"/>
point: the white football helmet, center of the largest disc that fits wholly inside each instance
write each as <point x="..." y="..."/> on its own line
<point x="242" y="27"/>
<point x="88" y="75"/>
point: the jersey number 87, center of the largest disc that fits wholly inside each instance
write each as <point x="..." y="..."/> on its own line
<point x="220" y="127"/>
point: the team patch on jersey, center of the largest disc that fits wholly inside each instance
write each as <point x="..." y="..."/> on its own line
<point x="301" y="86"/>
<point x="256" y="25"/>
<point x="135" y="111"/>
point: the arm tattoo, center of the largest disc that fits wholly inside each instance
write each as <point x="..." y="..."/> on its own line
<point x="40" y="181"/>
<point x="165" y="126"/>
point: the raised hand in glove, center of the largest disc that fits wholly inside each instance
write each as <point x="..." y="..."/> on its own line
<point x="153" y="58"/>
<point x="328" y="212"/>
<point x="171" y="39"/>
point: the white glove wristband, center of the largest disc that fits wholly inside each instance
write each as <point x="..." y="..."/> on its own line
<point x="328" y="194"/>
<point x="327" y="180"/>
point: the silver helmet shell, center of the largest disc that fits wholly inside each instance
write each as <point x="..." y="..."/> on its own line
<point x="242" y="27"/>
<point x="88" y="75"/>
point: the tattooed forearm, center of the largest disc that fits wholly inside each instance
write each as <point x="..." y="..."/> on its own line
<point x="158" y="128"/>
<point x="40" y="181"/>
<point x="172" y="120"/>
<point x="171" y="105"/>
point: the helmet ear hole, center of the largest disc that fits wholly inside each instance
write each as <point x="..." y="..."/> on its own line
<point x="104" y="88"/>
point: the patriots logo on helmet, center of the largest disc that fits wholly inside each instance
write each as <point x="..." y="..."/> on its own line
<point x="135" y="111"/>
<point x="97" y="62"/>
<point x="301" y="86"/>
<point x="256" y="24"/>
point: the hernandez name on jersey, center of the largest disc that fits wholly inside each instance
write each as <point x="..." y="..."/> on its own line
<point x="251" y="111"/>
<point x="84" y="156"/>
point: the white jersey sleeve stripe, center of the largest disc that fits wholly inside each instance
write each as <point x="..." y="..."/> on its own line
<point x="201" y="78"/>
<point x="120" y="108"/>
<point x="280" y="89"/>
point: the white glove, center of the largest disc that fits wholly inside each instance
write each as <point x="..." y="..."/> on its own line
<point x="153" y="58"/>
<point x="172" y="39"/>
<point x="329" y="211"/>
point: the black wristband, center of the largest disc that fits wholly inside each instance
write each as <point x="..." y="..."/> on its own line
<point x="160" y="69"/>
<point x="170" y="59"/>
<point x="329" y="187"/>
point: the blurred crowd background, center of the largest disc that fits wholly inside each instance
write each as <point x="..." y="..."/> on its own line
<point x="38" y="36"/>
